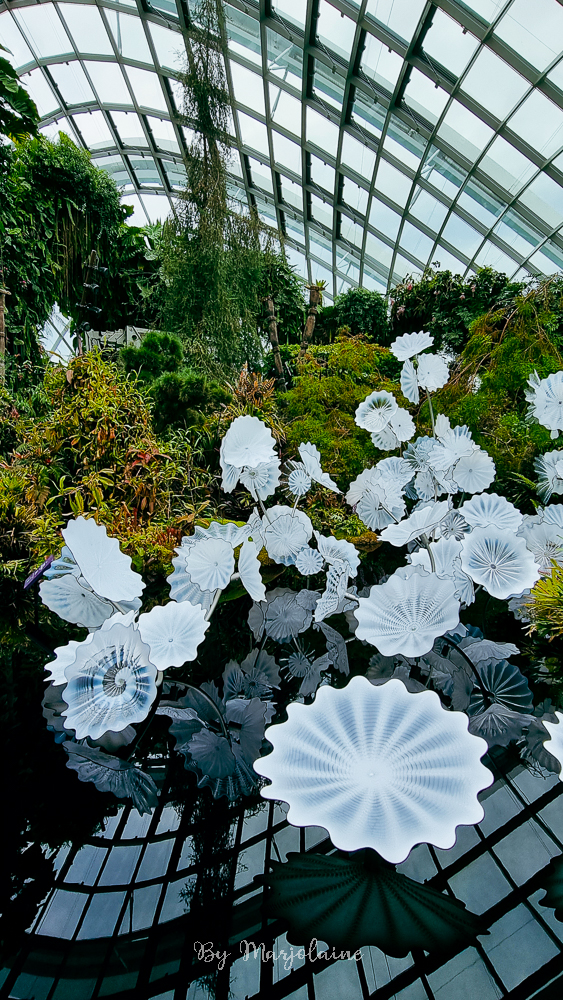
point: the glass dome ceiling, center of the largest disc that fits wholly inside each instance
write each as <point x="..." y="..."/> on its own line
<point x="379" y="135"/>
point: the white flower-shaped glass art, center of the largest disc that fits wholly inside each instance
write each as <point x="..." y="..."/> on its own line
<point x="311" y="458"/>
<point x="499" y="560"/>
<point x="211" y="564"/>
<point x="247" y="442"/>
<point x="377" y="767"/>
<point x="298" y="481"/>
<point x="73" y="602"/>
<point x="249" y="569"/>
<point x="182" y="587"/>
<point x="261" y="480"/>
<point x="409" y="382"/>
<point x="553" y="514"/>
<point x="489" y="508"/>
<point x="402" y="425"/>
<point x="554" y="745"/>
<point x="376" y="411"/>
<point x="309" y="561"/>
<point x="432" y="372"/>
<point x="546" y="399"/>
<point x="407" y="615"/>
<point x="419" y="523"/>
<point x="338" y="550"/>
<point x="173" y="632"/>
<point x="111" y="683"/>
<point x="544" y="540"/>
<point x="410" y="344"/>
<point x="64" y="656"/>
<point x="549" y="468"/>
<point x="286" y="532"/>
<point x="102" y="563"/>
<point x="230" y="532"/>
<point x="474" y="473"/>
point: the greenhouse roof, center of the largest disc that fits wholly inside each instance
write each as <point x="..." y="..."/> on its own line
<point x="379" y="135"/>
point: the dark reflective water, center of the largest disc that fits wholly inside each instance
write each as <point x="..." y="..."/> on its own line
<point x="99" y="901"/>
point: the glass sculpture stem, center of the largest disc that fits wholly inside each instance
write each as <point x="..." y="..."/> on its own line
<point x="431" y="413"/>
<point x="426" y="543"/>
<point x="214" y="605"/>
<point x="486" y="696"/>
<point x="215" y="708"/>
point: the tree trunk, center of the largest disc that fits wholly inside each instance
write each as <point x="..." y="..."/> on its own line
<point x="3" y="293"/>
<point x="273" y="334"/>
<point x="314" y="303"/>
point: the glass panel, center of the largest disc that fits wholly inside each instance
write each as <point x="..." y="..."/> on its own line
<point x="447" y="44"/>
<point x="12" y="39"/>
<point x="243" y="33"/>
<point x="41" y="92"/>
<point x="427" y="209"/>
<point x="384" y="219"/>
<point x="248" y="88"/>
<point x="494" y="84"/>
<point x="328" y="85"/>
<point x="443" y="172"/>
<point x="415" y="242"/>
<point x="115" y="167"/>
<point x="293" y="11"/>
<point x="176" y="174"/>
<point x="424" y="97"/>
<point x="129" y="36"/>
<point x="320" y="247"/>
<point x="335" y="30"/>
<point x="129" y="128"/>
<point x="358" y="156"/>
<point x="253" y="133"/>
<point x="549" y="259"/>
<point x="466" y="973"/>
<point x="367" y="114"/>
<point x="322" y="174"/>
<point x="355" y="196"/>
<point x="378" y="250"/>
<point x="401" y="16"/>
<point x="517" y="946"/>
<point x="374" y="281"/>
<point x="393" y="183"/>
<point x="491" y="256"/>
<point x="163" y="134"/>
<point x="463" y="131"/>
<point x="284" y="58"/>
<point x="487" y="9"/>
<point x="352" y="232"/>
<point x="62" y="914"/>
<point x="261" y="175"/>
<point x="545" y="198"/>
<point x="292" y="193"/>
<point x="322" y="211"/>
<point x="120" y="865"/>
<point x="286" y="152"/>
<point x="170" y="47"/>
<point x="72" y="83"/>
<point x="146" y="171"/>
<point x="295" y="229"/>
<point x="87" y="29"/>
<point x="61" y="125"/>
<point x="101" y="915"/>
<point x="446" y="261"/>
<point x="109" y="83"/>
<point x="401" y="268"/>
<point x="531" y="29"/>
<point x="462" y="237"/>
<point x="404" y="143"/>
<point x="322" y="132"/>
<point x="540" y="123"/>
<point x="285" y="110"/>
<point x="507" y="166"/>
<point x="86" y="865"/>
<point x="380" y="63"/>
<point x="480" y="202"/>
<point x="513" y="229"/>
<point x="146" y="88"/>
<point x="42" y="26"/>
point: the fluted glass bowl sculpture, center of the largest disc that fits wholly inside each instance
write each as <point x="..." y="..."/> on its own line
<point x="377" y="767"/>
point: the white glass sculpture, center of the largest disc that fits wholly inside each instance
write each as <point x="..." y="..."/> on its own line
<point x="73" y="602"/>
<point x="311" y="458"/>
<point x="286" y="532"/>
<point x="407" y="615"/>
<point x="309" y="561"/>
<point x="489" y="508"/>
<point x="111" y="683"/>
<point x="549" y="468"/>
<point x="410" y="344"/>
<point x="377" y="767"/>
<point x="474" y="473"/>
<point x="432" y="372"/>
<point x="173" y="632"/>
<point x="420" y="522"/>
<point x="546" y="399"/>
<point x="555" y="743"/>
<point x="261" y="480"/>
<point x="409" y="382"/>
<point x="102" y="563"/>
<point x="376" y="411"/>
<point x="249" y="569"/>
<point x="499" y="561"/>
<point x="211" y="564"/>
<point x="247" y="442"/>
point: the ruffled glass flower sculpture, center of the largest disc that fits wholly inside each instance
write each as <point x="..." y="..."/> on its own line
<point x="378" y="767"/>
<point x="555" y="743"/>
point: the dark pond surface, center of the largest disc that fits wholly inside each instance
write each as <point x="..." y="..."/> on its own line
<point x="100" y="901"/>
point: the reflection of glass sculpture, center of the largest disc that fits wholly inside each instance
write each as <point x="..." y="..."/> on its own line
<point x="377" y="767"/>
<point x="359" y="901"/>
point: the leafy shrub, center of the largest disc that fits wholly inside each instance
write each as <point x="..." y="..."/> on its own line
<point x="156" y="354"/>
<point x="182" y="398"/>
